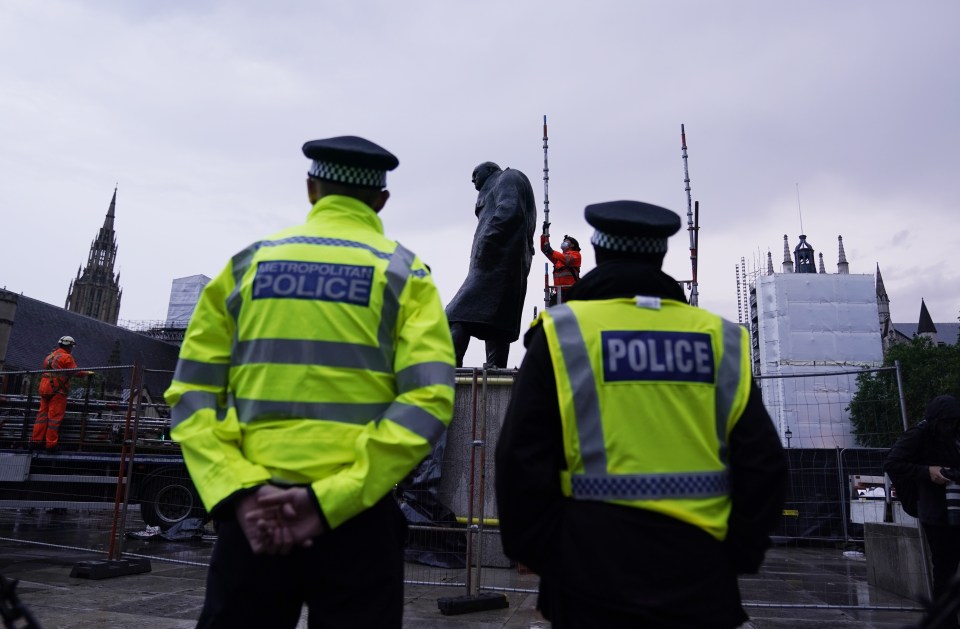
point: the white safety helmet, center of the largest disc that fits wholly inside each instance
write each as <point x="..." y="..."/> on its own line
<point x="67" y="341"/>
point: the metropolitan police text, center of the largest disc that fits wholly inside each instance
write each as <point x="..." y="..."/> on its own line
<point x="291" y="279"/>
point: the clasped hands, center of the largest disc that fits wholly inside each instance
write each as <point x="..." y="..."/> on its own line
<point x="276" y="520"/>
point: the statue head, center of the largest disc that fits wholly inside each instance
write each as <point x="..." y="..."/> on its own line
<point x="482" y="172"/>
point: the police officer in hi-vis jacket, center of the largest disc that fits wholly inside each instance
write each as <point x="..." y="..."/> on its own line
<point x="316" y="372"/>
<point x="637" y="471"/>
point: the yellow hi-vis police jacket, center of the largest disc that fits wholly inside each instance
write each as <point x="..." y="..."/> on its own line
<point x="319" y="356"/>
<point x="649" y="390"/>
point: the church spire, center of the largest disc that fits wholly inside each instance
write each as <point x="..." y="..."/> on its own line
<point x="843" y="268"/>
<point x="925" y="326"/>
<point x="96" y="291"/>
<point x="769" y="263"/>
<point x="111" y="212"/>
<point x="787" y="258"/>
<point x="883" y="301"/>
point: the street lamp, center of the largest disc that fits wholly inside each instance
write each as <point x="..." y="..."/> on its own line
<point x="788" y="435"/>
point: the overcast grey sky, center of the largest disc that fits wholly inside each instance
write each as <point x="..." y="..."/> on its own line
<point x="198" y="110"/>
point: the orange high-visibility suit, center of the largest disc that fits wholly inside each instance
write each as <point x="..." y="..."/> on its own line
<point x="566" y="265"/>
<point x="53" y="398"/>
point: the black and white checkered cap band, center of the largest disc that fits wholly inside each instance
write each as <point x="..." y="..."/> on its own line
<point x="350" y="175"/>
<point x="629" y="244"/>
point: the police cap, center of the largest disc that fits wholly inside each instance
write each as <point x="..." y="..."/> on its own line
<point x="350" y="160"/>
<point x="631" y="227"/>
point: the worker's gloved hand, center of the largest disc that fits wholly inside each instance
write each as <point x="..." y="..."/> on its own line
<point x="546" y="227"/>
<point x="283" y="519"/>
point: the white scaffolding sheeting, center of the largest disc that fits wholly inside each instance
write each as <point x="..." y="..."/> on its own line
<point x="812" y="323"/>
<point x="184" y="294"/>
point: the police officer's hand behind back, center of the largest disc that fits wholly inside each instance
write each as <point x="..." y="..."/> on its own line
<point x="282" y="519"/>
<point x="249" y="515"/>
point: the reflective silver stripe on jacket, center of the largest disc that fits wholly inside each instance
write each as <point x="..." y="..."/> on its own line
<point x="586" y="401"/>
<point x="728" y="382"/>
<point x="306" y="352"/>
<point x="412" y="418"/>
<point x="192" y="402"/>
<point x="398" y="271"/>
<point x="595" y="482"/>
<point x="425" y="375"/>
<point x="416" y="420"/>
<point x="201" y="373"/>
<point x="249" y="410"/>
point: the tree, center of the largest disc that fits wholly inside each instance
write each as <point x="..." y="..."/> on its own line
<point x="927" y="370"/>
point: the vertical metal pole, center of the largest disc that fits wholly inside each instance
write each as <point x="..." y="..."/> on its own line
<point x="546" y="213"/>
<point x="546" y="285"/>
<point x="923" y="542"/>
<point x="844" y="493"/>
<point x="140" y="373"/>
<point x="903" y="401"/>
<point x="84" y="414"/>
<point x="27" y="433"/>
<point x="112" y="552"/>
<point x="471" y="527"/>
<point x="695" y="254"/>
<point x="482" y="445"/>
<point x="694" y="298"/>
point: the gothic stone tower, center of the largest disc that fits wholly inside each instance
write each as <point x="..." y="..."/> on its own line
<point x="96" y="290"/>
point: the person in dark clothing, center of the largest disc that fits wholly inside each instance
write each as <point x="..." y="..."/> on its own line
<point x="614" y="545"/>
<point x="922" y="454"/>
<point x="489" y="304"/>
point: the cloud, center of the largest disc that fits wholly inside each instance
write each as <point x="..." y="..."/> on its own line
<point x="199" y="110"/>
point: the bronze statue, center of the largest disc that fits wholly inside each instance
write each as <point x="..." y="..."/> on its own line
<point x="489" y="304"/>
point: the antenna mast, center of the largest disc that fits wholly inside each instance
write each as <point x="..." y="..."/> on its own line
<point x="546" y="213"/>
<point x="692" y="228"/>
<point x="799" y="209"/>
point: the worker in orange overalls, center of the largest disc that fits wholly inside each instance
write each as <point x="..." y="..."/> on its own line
<point x="566" y="265"/>
<point x="53" y="395"/>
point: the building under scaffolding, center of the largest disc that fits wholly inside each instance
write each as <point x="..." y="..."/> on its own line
<point x="803" y="320"/>
<point x="184" y="295"/>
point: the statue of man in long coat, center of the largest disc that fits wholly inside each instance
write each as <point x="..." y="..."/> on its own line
<point x="489" y="305"/>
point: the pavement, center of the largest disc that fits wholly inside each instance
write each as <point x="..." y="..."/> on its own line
<point x="797" y="588"/>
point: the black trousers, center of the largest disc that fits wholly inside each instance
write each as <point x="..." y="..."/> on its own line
<point x="497" y="351"/>
<point x="352" y="576"/>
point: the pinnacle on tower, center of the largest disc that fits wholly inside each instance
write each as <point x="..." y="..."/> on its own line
<point x="843" y="268"/>
<point x="883" y="301"/>
<point x="769" y="263"/>
<point x="96" y="290"/>
<point x="111" y="212"/>
<point x="881" y="290"/>
<point x="787" y="258"/>
<point x="925" y="326"/>
<point x="821" y="269"/>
